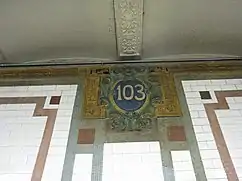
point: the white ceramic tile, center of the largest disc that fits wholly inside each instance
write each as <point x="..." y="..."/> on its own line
<point x="21" y="133"/>
<point x="229" y="120"/>
<point x="82" y="167"/>
<point x="182" y="165"/>
<point x="119" y="162"/>
<point x="214" y="87"/>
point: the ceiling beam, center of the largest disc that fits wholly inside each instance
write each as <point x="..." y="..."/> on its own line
<point x="128" y="20"/>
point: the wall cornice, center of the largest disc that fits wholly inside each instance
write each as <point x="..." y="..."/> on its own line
<point x="63" y="71"/>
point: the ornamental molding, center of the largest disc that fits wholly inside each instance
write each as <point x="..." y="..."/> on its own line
<point x="129" y="17"/>
<point x="18" y="73"/>
<point x="92" y="107"/>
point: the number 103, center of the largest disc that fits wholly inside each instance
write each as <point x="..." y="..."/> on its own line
<point x="136" y="92"/>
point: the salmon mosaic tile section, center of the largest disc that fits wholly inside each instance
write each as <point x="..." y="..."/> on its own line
<point x="86" y="136"/>
<point x="176" y="133"/>
<point x="34" y="133"/>
<point x="218" y="125"/>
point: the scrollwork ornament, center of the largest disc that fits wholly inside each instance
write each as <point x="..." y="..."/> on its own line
<point x="130" y="122"/>
<point x="129" y="14"/>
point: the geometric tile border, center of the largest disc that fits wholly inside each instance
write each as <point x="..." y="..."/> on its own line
<point x="207" y="101"/>
<point x="55" y="104"/>
<point x="217" y="132"/>
<point x="45" y="143"/>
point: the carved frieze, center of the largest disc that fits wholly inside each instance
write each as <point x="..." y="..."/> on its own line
<point x="129" y="15"/>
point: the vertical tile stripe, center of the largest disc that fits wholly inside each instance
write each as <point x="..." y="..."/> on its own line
<point x="45" y="144"/>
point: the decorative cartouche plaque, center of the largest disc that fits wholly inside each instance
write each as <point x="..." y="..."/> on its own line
<point x="130" y="97"/>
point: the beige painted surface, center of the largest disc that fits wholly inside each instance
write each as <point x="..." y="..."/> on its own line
<point x="85" y="30"/>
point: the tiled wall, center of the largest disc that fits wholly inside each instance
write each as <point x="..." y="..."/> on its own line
<point x="82" y="169"/>
<point x="182" y="165"/>
<point x="215" y="107"/>
<point x="34" y="129"/>
<point x="35" y="126"/>
<point x="132" y="161"/>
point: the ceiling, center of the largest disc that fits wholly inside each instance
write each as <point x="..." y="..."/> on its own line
<point x="37" y="32"/>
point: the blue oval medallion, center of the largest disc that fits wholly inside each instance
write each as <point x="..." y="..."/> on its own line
<point x="129" y="95"/>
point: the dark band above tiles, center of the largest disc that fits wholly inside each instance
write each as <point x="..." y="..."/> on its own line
<point x="205" y="95"/>
<point x="86" y="136"/>
<point x="55" y="100"/>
